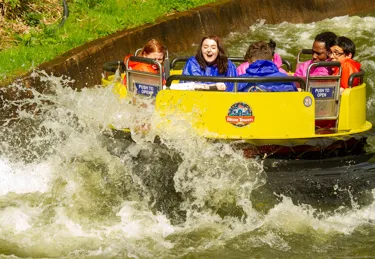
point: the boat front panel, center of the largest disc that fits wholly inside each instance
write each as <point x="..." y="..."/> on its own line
<point x="258" y="115"/>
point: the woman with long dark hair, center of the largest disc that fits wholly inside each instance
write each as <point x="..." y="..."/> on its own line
<point x="211" y="59"/>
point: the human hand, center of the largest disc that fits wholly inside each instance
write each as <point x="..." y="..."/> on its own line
<point x="221" y="86"/>
<point x="201" y="86"/>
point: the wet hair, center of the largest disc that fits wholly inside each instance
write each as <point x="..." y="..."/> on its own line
<point x="347" y="45"/>
<point x="259" y="50"/>
<point x="222" y="57"/>
<point x="272" y="45"/>
<point x="327" y="37"/>
<point x="152" y="46"/>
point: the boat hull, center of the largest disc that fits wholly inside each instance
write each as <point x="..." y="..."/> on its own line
<point x="267" y="124"/>
<point x="266" y="117"/>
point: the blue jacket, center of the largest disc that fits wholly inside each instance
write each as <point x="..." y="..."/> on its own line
<point x="267" y="68"/>
<point x="192" y="68"/>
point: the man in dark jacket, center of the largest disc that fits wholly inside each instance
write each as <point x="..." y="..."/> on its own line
<point x="261" y="65"/>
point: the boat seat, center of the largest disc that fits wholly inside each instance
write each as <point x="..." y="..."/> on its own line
<point x="326" y="92"/>
<point x="166" y="63"/>
<point x="301" y="57"/>
<point x="143" y="83"/>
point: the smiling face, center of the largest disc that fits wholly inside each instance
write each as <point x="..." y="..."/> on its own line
<point x="209" y="50"/>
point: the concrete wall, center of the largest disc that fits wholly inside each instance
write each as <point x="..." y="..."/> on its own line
<point x="180" y="30"/>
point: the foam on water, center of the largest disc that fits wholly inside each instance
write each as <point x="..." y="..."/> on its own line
<point x="24" y="178"/>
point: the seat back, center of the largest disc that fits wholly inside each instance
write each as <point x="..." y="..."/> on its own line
<point x="166" y="63"/>
<point x="144" y="83"/>
<point x="302" y="56"/>
<point x="326" y="91"/>
<point x="287" y="65"/>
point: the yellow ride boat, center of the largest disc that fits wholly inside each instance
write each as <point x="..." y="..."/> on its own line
<point x="265" y="124"/>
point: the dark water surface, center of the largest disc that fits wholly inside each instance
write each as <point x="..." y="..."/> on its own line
<point x="69" y="188"/>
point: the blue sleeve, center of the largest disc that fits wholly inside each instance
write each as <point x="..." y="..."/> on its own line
<point x="284" y="87"/>
<point x="192" y="68"/>
<point x="244" y="86"/>
<point x="290" y="87"/>
<point x="278" y="87"/>
<point x="268" y="87"/>
<point x="231" y="72"/>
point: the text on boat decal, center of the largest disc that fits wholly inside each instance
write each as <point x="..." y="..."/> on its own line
<point x="322" y="92"/>
<point x="148" y="90"/>
<point x="240" y="114"/>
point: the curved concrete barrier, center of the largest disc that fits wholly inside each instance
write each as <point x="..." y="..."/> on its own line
<point x="180" y="30"/>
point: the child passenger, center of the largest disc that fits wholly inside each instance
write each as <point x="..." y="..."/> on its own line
<point x="261" y="65"/>
<point x="153" y="49"/>
<point x="343" y="51"/>
<point x="241" y="69"/>
<point x="211" y="60"/>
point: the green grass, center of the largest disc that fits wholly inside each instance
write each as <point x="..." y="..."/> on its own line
<point x="88" y="20"/>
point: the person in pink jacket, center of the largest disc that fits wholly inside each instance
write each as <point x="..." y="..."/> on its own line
<point x="321" y="50"/>
<point x="241" y="69"/>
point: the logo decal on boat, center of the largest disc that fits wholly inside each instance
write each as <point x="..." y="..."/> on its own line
<point x="240" y="114"/>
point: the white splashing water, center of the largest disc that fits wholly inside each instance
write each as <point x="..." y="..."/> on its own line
<point x="75" y="199"/>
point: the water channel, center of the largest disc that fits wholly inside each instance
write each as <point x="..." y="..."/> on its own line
<point x="70" y="189"/>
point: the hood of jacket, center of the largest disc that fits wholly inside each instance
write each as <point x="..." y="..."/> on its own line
<point x="262" y="68"/>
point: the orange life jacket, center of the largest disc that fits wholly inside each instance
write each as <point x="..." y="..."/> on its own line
<point x="140" y="67"/>
<point x="348" y="66"/>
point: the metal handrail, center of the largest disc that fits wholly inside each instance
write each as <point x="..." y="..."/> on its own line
<point x="236" y="79"/>
<point x="323" y="64"/>
<point x="336" y="94"/>
<point x="305" y="52"/>
<point x="147" y="61"/>
<point x="233" y="59"/>
<point x="184" y="59"/>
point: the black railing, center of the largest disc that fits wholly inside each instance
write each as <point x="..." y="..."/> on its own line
<point x="233" y="59"/>
<point x="236" y="79"/>
<point x="359" y="75"/>
<point x="113" y="66"/>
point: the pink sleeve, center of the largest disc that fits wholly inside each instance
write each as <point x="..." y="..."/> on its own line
<point x="281" y="70"/>
<point x="241" y="69"/>
<point x="316" y="71"/>
<point x="277" y="60"/>
<point x="319" y="71"/>
<point x="301" y="69"/>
